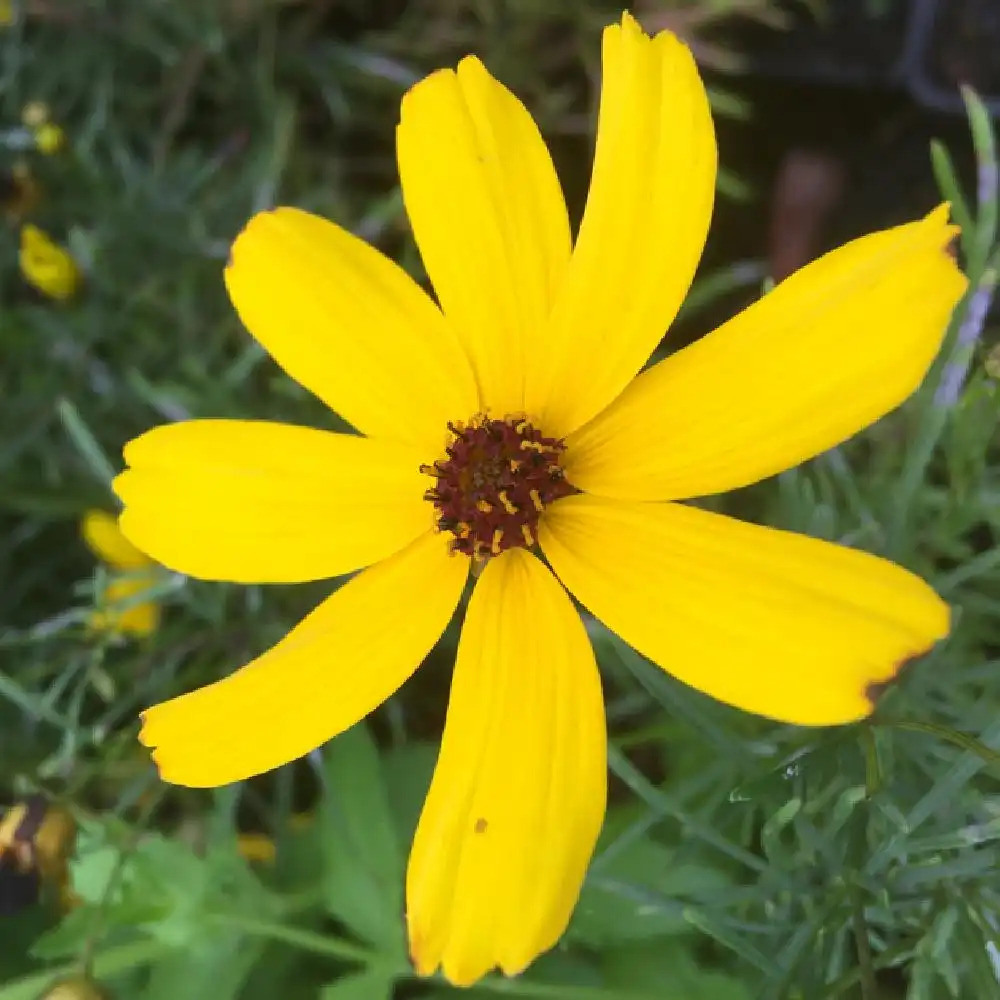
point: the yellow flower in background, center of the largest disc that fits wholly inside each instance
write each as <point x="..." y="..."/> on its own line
<point x="48" y="136"/>
<point x="513" y="416"/>
<point x="46" y="265"/>
<point x="134" y="573"/>
<point x="6" y="13"/>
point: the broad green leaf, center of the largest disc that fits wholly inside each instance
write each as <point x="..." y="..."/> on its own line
<point x="407" y="769"/>
<point x="362" y="857"/>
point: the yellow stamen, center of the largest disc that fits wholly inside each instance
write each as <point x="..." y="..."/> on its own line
<point x="484" y="505"/>
<point x="536" y="500"/>
<point x="497" y="539"/>
<point x="526" y="535"/>
<point x="514" y="464"/>
<point x="507" y="505"/>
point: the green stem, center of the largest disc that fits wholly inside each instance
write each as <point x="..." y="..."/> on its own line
<point x="866" y="966"/>
<point x="297" y="937"/>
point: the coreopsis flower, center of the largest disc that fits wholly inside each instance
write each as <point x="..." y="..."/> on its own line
<point x="506" y="423"/>
<point x="119" y="609"/>
<point x="46" y="266"/>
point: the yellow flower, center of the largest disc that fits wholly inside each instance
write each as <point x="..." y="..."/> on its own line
<point x="513" y="414"/>
<point x="6" y="13"/>
<point x="49" y="137"/>
<point x="46" y="265"/>
<point x="117" y="610"/>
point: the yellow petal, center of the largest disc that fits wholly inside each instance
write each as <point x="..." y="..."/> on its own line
<point x="120" y="613"/>
<point x="488" y="216"/>
<point x="46" y="265"/>
<point x="104" y="538"/>
<point x="642" y="232"/>
<point x="830" y="350"/>
<point x="343" y="660"/>
<point x="351" y="326"/>
<point x="769" y="621"/>
<point x="518" y="794"/>
<point x="256" y="502"/>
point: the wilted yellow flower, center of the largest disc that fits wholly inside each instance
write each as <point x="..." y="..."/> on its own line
<point x="75" y="988"/>
<point x="257" y="848"/>
<point x="19" y="190"/>
<point x="46" y="265"/>
<point x="513" y="416"/>
<point x="35" y="114"/>
<point x="133" y="574"/>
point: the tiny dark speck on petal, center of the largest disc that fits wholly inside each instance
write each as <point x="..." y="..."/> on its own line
<point x="480" y="826"/>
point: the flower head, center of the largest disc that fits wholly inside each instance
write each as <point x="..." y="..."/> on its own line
<point x="46" y="265"/>
<point x="119" y="610"/>
<point x="509" y="417"/>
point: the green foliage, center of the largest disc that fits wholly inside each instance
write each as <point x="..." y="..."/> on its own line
<point x="740" y="858"/>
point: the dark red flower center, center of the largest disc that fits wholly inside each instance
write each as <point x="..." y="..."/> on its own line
<point x="495" y="480"/>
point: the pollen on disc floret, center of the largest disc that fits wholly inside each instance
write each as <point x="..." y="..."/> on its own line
<point x="496" y="478"/>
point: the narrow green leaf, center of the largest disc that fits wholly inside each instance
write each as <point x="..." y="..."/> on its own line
<point x="951" y="191"/>
<point x="372" y="984"/>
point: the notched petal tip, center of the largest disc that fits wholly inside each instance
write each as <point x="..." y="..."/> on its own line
<point x="422" y="963"/>
<point x="256" y="226"/>
<point x="144" y="726"/>
<point x="118" y="485"/>
<point x="444" y="77"/>
<point x="629" y="25"/>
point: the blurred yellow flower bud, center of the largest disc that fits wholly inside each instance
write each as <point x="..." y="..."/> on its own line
<point x="75" y="988"/>
<point x="134" y="574"/>
<point x="49" y="138"/>
<point x="35" y="113"/>
<point x="46" y="265"/>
